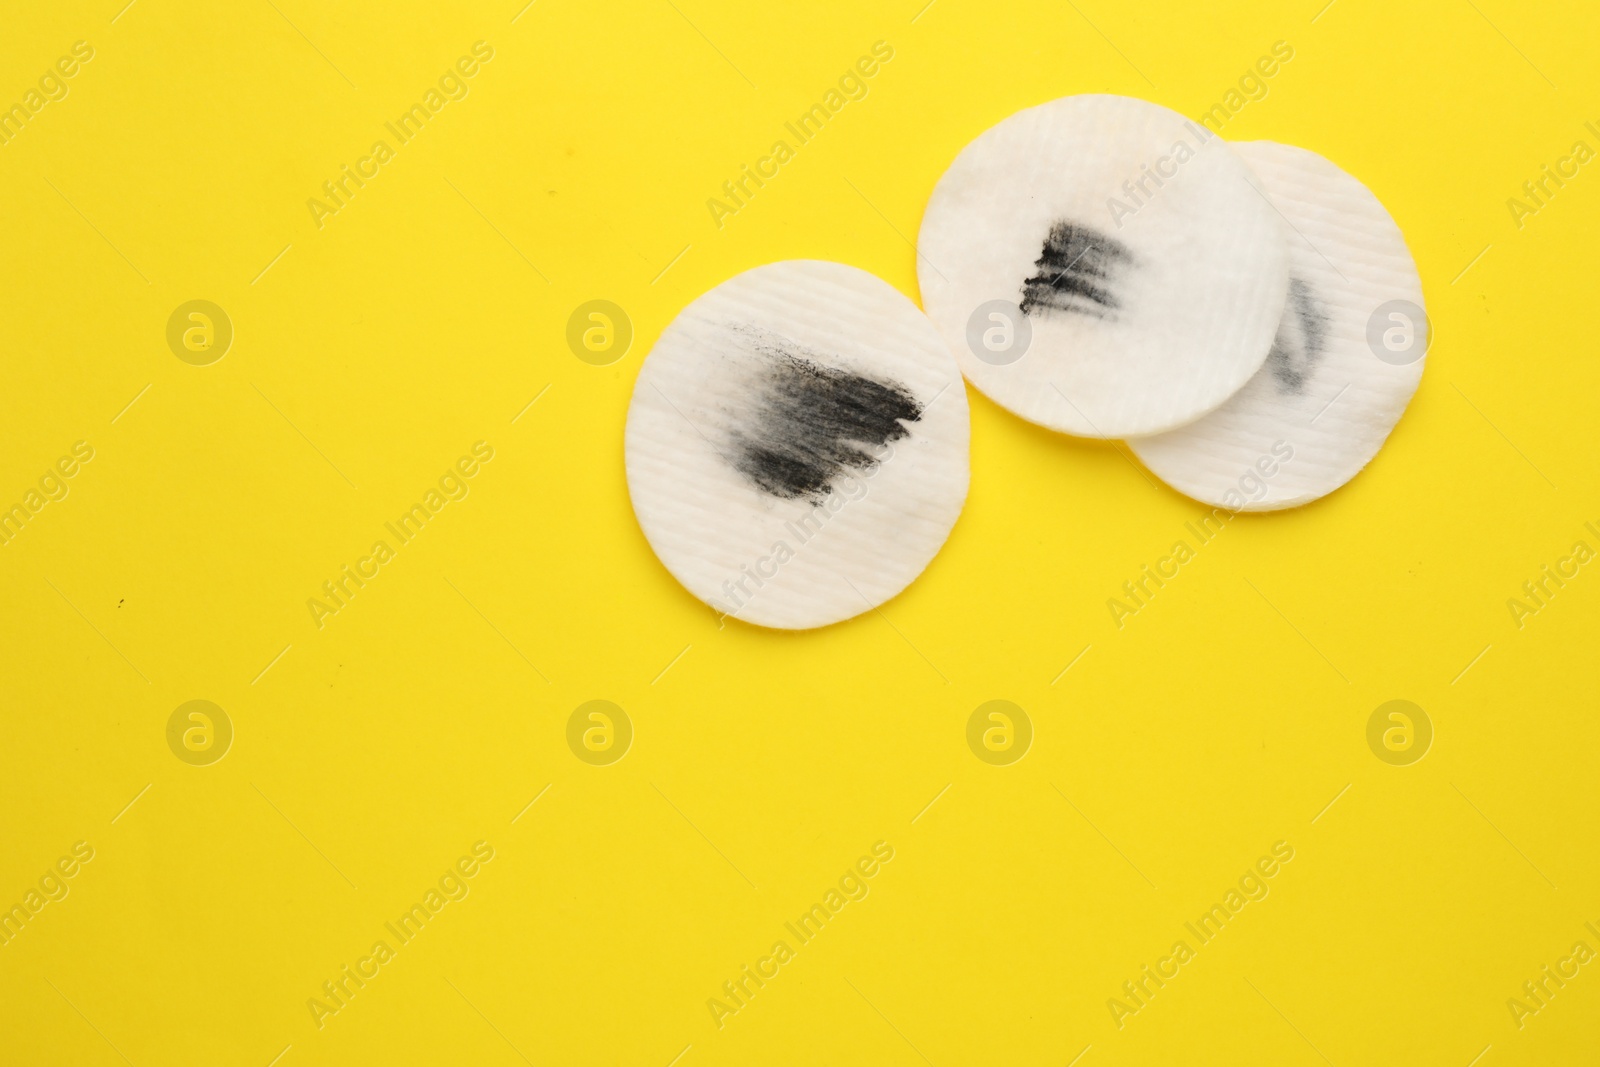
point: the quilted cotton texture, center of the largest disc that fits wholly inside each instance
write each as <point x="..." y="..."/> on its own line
<point x="1345" y="362"/>
<point x="797" y="444"/>
<point x="1131" y="249"/>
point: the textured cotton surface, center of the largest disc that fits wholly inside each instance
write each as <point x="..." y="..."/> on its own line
<point x="1131" y="247"/>
<point x="797" y="444"/>
<point x="1325" y="401"/>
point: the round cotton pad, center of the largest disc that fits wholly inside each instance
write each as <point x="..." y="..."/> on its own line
<point x="1347" y="357"/>
<point x="1104" y="267"/>
<point x="797" y="444"/>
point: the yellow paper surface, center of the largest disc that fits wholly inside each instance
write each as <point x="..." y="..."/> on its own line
<point x="377" y="339"/>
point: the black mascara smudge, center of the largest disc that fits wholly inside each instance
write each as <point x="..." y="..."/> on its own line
<point x="809" y="421"/>
<point x="1076" y="270"/>
<point x="1302" y="337"/>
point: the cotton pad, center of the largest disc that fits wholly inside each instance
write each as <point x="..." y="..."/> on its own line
<point x="797" y="444"/>
<point x="1346" y="359"/>
<point x="1102" y="266"/>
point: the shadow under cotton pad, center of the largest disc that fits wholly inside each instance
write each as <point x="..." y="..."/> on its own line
<point x="1344" y="363"/>
<point x="1102" y="266"/>
<point x="797" y="444"/>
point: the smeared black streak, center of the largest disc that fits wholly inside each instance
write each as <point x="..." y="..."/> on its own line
<point x="1077" y="271"/>
<point x="1302" y="338"/>
<point x="808" y="421"/>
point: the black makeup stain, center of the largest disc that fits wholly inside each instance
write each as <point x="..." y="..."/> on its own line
<point x="806" y="421"/>
<point x="1302" y="337"/>
<point x="1077" y="270"/>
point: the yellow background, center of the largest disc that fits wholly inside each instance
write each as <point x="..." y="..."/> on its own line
<point x="427" y="714"/>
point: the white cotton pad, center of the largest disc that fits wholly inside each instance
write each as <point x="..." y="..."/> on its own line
<point x="1347" y="356"/>
<point x="797" y="444"/>
<point x="1102" y="266"/>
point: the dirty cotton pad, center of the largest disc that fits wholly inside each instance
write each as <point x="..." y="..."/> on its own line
<point x="1103" y="267"/>
<point x="1347" y="357"/>
<point x="797" y="444"/>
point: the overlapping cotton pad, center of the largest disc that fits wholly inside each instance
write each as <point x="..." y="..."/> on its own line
<point x="1346" y="359"/>
<point x="1102" y="266"/>
<point x="797" y="444"/>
